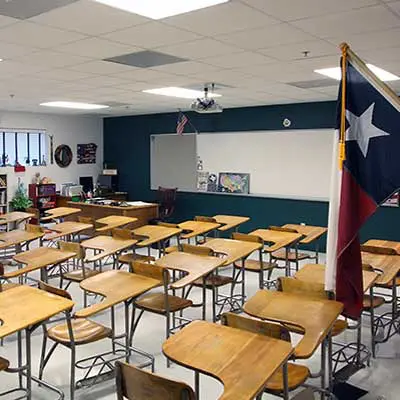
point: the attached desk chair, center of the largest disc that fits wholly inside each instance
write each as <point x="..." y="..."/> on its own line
<point x="59" y="213"/>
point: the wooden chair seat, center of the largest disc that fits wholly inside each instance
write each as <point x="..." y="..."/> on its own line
<point x="155" y="302"/>
<point x="297" y="375"/>
<point x="339" y="327"/>
<point x="374" y="302"/>
<point x="4" y="364"/>
<point x="214" y="280"/>
<point x="254" y="265"/>
<point x="8" y="286"/>
<point x="390" y="284"/>
<point x="77" y="274"/>
<point x="281" y="255"/>
<point x="84" y="330"/>
<point x="132" y="257"/>
<point x="171" y="249"/>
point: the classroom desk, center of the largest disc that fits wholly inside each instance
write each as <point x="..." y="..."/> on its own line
<point x="242" y="361"/>
<point x="59" y="213"/>
<point x="112" y="222"/>
<point x="116" y="287"/>
<point x="155" y="234"/>
<point x="108" y="246"/>
<point x="39" y="259"/>
<point x="17" y="238"/>
<point x="229" y="222"/>
<point x="66" y="230"/>
<point x="24" y="308"/>
<point x="15" y="217"/>
<point x="384" y="243"/>
<point x="142" y="212"/>
<point x="196" y="228"/>
<point x="315" y="316"/>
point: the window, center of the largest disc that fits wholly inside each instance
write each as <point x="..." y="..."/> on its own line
<point x="25" y="148"/>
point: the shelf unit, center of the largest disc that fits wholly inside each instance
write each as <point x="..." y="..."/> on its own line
<point x="43" y="196"/>
<point x="3" y="194"/>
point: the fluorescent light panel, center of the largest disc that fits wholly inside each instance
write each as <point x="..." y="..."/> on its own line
<point x="74" y="105"/>
<point x="335" y="73"/>
<point x="180" y="92"/>
<point x="158" y="9"/>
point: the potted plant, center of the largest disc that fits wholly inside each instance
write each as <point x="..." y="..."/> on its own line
<point x="20" y="201"/>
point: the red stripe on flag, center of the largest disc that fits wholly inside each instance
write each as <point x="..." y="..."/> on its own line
<point x="356" y="206"/>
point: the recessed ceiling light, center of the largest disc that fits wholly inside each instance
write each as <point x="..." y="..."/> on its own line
<point x="158" y="9"/>
<point x="180" y="92"/>
<point x="74" y="105"/>
<point x="336" y="73"/>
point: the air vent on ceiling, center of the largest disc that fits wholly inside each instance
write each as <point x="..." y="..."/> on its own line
<point x="24" y="9"/>
<point x="316" y="83"/>
<point x="146" y="59"/>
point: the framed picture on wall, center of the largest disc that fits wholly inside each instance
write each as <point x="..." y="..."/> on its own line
<point x="392" y="201"/>
<point x="234" y="182"/>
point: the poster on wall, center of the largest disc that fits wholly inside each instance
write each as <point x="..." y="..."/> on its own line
<point x="212" y="183"/>
<point x="234" y="182"/>
<point x="392" y="201"/>
<point x="202" y="181"/>
<point x="86" y="153"/>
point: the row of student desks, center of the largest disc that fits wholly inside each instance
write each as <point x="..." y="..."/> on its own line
<point x="218" y="350"/>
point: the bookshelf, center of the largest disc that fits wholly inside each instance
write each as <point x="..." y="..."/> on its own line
<point x="43" y="196"/>
<point x="3" y="194"/>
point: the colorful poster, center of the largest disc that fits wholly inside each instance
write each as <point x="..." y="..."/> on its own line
<point x="392" y="201"/>
<point x="212" y="184"/>
<point x="232" y="182"/>
<point x="87" y="153"/>
<point x="202" y="181"/>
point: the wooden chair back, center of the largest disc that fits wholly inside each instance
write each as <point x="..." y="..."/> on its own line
<point x="34" y="228"/>
<point x="297" y="286"/>
<point x="149" y="270"/>
<point x="54" y="290"/>
<point x="282" y="229"/>
<point x="388" y="251"/>
<point x="255" y="326"/>
<point x="245" y="237"/>
<point x="121" y="233"/>
<point x="137" y="384"/>
<point x="202" y="218"/>
<point x="168" y="225"/>
<point x="86" y="220"/>
<point x="73" y="248"/>
<point x="199" y="250"/>
<point x="36" y="212"/>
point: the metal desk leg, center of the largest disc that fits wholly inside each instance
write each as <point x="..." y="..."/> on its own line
<point x="197" y="384"/>
<point x="285" y="393"/>
<point x="204" y="316"/>
<point x="243" y="281"/>
<point x="19" y="350"/>
<point x="372" y="315"/>
<point x="28" y="364"/>
<point x="287" y="264"/>
<point x="317" y="251"/>
<point x="323" y="367"/>
<point x="261" y="276"/>
<point x="128" y="353"/>
<point x="330" y="369"/>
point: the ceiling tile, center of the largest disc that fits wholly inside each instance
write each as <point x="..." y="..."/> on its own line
<point x="221" y="19"/>
<point x="149" y="75"/>
<point x="10" y="51"/>
<point x="101" y="67"/>
<point x="64" y="75"/>
<point x="289" y="10"/>
<point x="51" y="59"/>
<point x="103" y="18"/>
<point x="30" y="34"/>
<point x="103" y="81"/>
<point x="96" y="48"/>
<point x="238" y="60"/>
<point x="395" y="7"/>
<point x="199" y="49"/>
<point x="356" y="21"/>
<point x="8" y="68"/>
<point x="4" y="21"/>
<point x="271" y="36"/>
<point x="185" y="68"/>
<point x="376" y="56"/>
<point x="151" y="35"/>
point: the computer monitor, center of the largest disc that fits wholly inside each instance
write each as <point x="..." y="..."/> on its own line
<point x="87" y="183"/>
<point x="109" y="182"/>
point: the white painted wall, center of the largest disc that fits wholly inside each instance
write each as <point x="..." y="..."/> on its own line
<point x="66" y="129"/>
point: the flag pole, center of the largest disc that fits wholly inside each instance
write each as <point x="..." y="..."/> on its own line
<point x="342" y="137"/>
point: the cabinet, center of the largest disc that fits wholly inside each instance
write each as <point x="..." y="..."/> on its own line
<point x="3" y="194"/>
<point x="43" y="196"/>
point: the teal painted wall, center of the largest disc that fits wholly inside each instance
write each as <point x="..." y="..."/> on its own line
<point x="127" y="147"/>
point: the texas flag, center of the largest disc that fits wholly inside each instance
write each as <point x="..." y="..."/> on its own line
<point x="369" y="174"/>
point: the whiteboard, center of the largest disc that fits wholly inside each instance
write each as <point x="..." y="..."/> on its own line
<point x="287" y="164"/>
<point x="173" y="161"/>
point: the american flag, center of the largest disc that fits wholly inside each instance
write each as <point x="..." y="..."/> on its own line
<point x="182" y="121"/>
<point x="368" y="123"/>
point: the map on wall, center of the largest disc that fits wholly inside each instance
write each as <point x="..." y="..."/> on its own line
<point x="87" y="153"/>
<point x="232" y="182"/>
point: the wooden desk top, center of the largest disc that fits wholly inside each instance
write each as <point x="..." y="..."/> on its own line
<point x="59" y="212"/>
<point x="40" y="257"/>
<point x="310" y="232"/>
<point x="14" y="216"/>
<point x="66" y="228"/>
<point x="116" y="287"/>
<point x="235" y="250"/>
<point x="113" y="221"/>
<point x="196" y="266"/>
<point x="389" y="265"/>
<point x="107" y="244"/>
<point x="242" y="361"/>
<point x="13" y="238"/>
<point x="316" y="273"/>
<point x="384" y="243"/>
<point x="24" y="306"/>
<point x="278" y="238"/>
<point x="316" y="317"/>
<point x="197" y="228"/>
<point x="129" y="207"/>
<point x="155" y="234"/>
<point x="229" y="221"/>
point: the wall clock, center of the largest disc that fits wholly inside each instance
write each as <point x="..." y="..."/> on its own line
<point x="63" y="155"/>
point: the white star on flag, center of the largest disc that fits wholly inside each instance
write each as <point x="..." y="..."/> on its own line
<point x="362" y="129"/>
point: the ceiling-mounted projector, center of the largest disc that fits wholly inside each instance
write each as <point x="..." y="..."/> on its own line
<point x="206" y="104"/>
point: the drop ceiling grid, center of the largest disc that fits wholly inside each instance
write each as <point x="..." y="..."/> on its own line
<point x="254" y="45"/>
